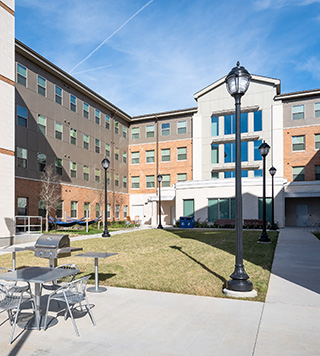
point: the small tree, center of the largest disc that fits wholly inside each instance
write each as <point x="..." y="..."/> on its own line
<point x="50" y="192"/>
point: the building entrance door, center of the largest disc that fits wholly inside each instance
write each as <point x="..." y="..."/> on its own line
<point x="137" y="211"/>
<point x="302" y="214"/>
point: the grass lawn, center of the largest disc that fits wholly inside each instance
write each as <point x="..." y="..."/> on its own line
<point x="179" y="261"/>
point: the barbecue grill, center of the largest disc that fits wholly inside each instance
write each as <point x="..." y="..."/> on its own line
<point x="53" y="247"/>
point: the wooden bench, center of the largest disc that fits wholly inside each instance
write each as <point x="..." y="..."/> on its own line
<point x="253" y="223"/>
<point x="225" y="222"/>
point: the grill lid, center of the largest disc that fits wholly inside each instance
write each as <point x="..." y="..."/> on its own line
<point x="51" y="241"/>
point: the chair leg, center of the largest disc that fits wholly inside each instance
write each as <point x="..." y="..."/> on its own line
<point x="15" y="320"/>
<point x="90" y="312"/>
<point x="46" y="317"/>
<point x="73" y="321"/>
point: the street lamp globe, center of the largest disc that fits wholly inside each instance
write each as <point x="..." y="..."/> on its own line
<point x="238" y="81"/>
<point x="272" y="171"/>
<point x="159" y="178"/>
<point x="105" y="163"/>
<point x="264" y="149"/>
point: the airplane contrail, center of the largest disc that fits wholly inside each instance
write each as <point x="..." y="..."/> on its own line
<point x="89" y="70"/>
<point x="108" y="38"/>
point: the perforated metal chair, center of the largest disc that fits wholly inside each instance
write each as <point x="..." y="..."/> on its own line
<point x="72" y="293"/>
<point x="11" y="299"/>
<point x="24" y="286"/>
<point x="57" y="284"/>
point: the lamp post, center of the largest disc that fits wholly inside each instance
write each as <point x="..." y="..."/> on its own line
<point x="105" y="164"/>
<point x="264" y="150"/>
<point x="272" y="172"/>
<point x="159" y="179"/>
<point x="237" y="82"/>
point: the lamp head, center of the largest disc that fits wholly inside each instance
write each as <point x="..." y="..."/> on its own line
<point x="159" y="178"/>
<point x="272" y="171"/>
<point x="105" y="163"/>
<point x="238" y="80"/>
<point x="264" y="149"/>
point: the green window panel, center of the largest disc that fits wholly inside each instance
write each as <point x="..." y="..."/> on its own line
<point x="188" y="207"/>
<point x="268" y="209"/>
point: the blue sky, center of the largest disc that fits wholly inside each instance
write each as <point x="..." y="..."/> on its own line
<point x="148" y="56"/>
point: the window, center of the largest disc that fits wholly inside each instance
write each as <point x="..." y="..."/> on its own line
<point x="97" y="175"/>
<point x="42" y="124"/>
<point x="22" y="74"/>
<point x="124" y="131"/>
<point x="124" y="182"/>
<point x="59" y="210"/>
<point x="86" y="209"/>
<point x="86" y="110"/>
<point x="108" y="211"/>
<point x="229" y="152"/>
<point x="107" y="150"/>
<point x="86" y="173"/>
<point x="214" y="153"/>
<point x="181" y="177"/>
<point x="116" y="180"/>
<point x="125" y="211"/>
<point x="97" y="116"/>
<point x="41" y="209"/>
<point x="258" y="173"/>
<point x="317" y="109"/>
<point x="298" y="173"/>
<point x="221" y="209"/>
<point x="86" y="141"/>
<point x="73" y="169"/>
<point x="73" y="103"/>
<point x="150" y="181"/>
<point x="117" y="211"/>
<point x="150" y="131"/>
<point x="108" y="177"/>
<point x="165" y="155"/>
<point x="257" y="121"/>
<point x="22" y="116"/>
<point x="182" y="153"/>
<point x="97" y="210"/>
<point x="107" y="121"/>
<point x="214" y="175"/>
<point x="298" y="112"/>
<point x="97" y="145"/>
<point x="230" y="124"/>
<point x="74" y="209"/>
<point x="244" y="151"/>
<point x="232" y="174"/>
<point x="21" y="157"/>
<point x="150" y="156"/>
<point x="73" y="136"/>
<point x="42" y="85"/>
<point x="135" y="182"/>
<point x="182" y="127"/>
<point x="257" y="155"/>
<point x="166" y="180"/>
<point x="58" y="95"/>
<point x="22" y="206"/>
<point x="124" y="157"/>
<point x="298" y="143"/>
<point x="188" y="207"/>
<point x="268" y="209"/>
<point x="58" y="166"/>
<point x="42" y="161"/>
<point x="116" y="127"/>
<point x="116" y="154"/>
<point x="135" y="157"/>
<point x="317" y="172"/>
<point x="317" y="141"/>
<point x="165" y="129"/>
<point x="135" y="133"/>
<point x="58" y="130"/>
<point x="215" y="126"/>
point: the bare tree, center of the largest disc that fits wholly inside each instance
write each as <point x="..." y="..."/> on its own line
<point x="50" y="192"/>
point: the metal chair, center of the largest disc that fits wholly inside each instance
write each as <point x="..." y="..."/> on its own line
<point x="71" y="293"/>
<point x="24" y="286"/>
<point x="57" y="284"/>
<point x="11" y="298"/>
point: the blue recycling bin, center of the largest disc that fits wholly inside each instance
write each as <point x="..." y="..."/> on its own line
<point x="187" y="222"/>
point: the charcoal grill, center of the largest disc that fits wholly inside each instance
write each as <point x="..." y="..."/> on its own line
<point x="52" y="247"/>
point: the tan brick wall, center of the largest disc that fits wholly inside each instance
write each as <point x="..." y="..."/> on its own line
<point x="307" y="158"/>
<point x="30" y="189"/>
<point x="173" y="167"/>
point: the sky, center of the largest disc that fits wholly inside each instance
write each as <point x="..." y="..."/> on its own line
<point x="151" y="56"/>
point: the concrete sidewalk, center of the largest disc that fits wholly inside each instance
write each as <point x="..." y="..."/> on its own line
<point x="136" y="322"/>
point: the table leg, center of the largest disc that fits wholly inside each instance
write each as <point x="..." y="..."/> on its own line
<point x="37" y="290"/>
<point x="13" y="260"/>
<point x="96" y="288"/>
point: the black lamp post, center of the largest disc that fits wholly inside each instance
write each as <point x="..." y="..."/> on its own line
<point x="264" y="150"/>
<point x="105" y="164"/>
<point x="159" y="179"/>
<point x="272" y="172"/>
<point x="238" y="81"/>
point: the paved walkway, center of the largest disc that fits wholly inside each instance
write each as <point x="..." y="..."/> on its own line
<point x="136" y="322"/>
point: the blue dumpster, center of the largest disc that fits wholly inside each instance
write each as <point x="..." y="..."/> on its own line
<point x="187" y="222"/>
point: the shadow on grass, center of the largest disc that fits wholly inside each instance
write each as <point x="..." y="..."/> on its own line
<point x="101" y="276"/>
<point x="201" y="264"/>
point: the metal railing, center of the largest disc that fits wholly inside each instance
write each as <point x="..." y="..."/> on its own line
<point x="30" y="224"/>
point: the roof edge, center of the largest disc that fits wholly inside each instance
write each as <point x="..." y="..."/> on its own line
<point x="165" y="114"/>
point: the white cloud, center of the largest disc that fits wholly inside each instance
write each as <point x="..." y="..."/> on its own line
<point x="311" y="65"/>
<point x="277" y="4"/>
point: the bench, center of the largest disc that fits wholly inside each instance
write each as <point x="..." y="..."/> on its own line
<point x="251" y="223"/>
<point x="225" y="222"/>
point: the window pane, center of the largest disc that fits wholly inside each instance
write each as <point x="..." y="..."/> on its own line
<point x="215" y="126"/>
<point x="135" y="157"/>
<point x="182" y="127"/>
<point x="229" y="124"/>
<point x="212" y="209"/>
<point x="166" y="180"/>
<point x="150" y="156"/>
<point x="188" y="207"/>
<point x="150" y="181"/>
<point x="244" y="151"/>
<point x="224" y="209"/>
<point x="165" y="155"/>
<point x="298" y="112"/>
<point x="214" y="153"/>
<point x="268" y="209"/>
<point x="244" y="122"/>
<point x="182" y="153"/>
<point x="317" y="141"/>
<point x="317" y="172"/>
<point x="135" y="182"/>
<point x="298" y="173"/>
<point x="257" y="155"/>
<point x="257" y="120"/>
<point x="214" y="175"/>
<point x="165" y="129"/>
<point x="135" y="133"/>
<point x="150" y="130"/>
<point x="258" y="173"/>
<point x="229" y="152"/>
<point x="317" y="109"/>
<point x="298" y="143"/>
<point x="181" y="177"/>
